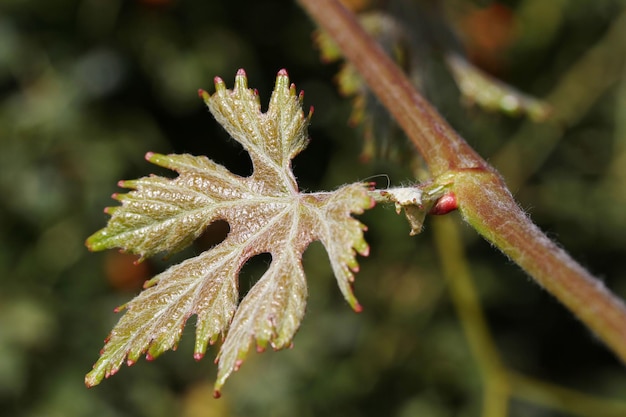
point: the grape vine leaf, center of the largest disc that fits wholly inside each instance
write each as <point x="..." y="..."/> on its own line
<point x="266" y="213"/>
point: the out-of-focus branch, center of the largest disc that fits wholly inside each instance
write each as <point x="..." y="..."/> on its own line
<point x="502" y="384"/>
<point x="600" y="68"/>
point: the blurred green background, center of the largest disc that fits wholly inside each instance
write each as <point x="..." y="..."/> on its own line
<point x="87" y="87"/>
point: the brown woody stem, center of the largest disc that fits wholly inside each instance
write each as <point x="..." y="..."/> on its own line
<point x="484" y="200"/>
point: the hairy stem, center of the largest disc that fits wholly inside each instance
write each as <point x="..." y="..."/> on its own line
<point x="484" y="200"/>
<point x="490" y="208"/>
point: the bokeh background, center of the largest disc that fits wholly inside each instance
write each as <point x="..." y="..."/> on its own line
<point x="87" y="87"/>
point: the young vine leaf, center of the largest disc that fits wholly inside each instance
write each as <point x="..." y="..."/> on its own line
<point x="266" y="213"/>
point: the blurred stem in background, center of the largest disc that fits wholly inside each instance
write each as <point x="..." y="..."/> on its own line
<point x="599" y="69"/>
<point x="501" y="385"/>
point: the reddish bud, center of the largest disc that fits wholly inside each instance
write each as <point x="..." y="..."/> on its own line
<point x="445" y="204"/>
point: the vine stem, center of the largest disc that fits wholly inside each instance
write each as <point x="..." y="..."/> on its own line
<point x="483" y="198"/>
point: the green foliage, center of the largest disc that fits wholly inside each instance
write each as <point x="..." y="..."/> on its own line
<point x="266" y="213"/>
<point x="491" y="94"/>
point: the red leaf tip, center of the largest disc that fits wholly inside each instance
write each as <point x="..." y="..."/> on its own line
<point x="149" y="156"/>
<point x="217" y="394"/>
<point x="241" y="72"/>
<point x="198" y="356"/>
<point x="117" y="310"/>
<point x="358" y="308"/>
<point x="283" y="73"/>
<point x="203" y="94"/>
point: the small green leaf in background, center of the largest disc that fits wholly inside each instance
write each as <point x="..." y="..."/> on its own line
<point x="478" y="87"/>
<point x="266" y="213"/>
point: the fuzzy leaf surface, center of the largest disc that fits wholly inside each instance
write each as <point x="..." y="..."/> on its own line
<point x="266" y="213"/>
